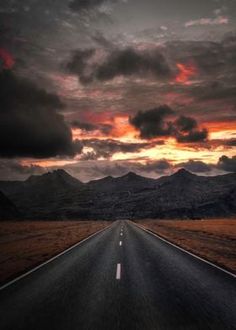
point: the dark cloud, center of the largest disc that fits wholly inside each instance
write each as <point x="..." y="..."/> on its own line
<point x="152" y="123"/>
<point x="195" y="166"/>
<point x="30" y="124"/>
<point x="119" y="62"/>
<point x="227" y="164"/>
<point x="128" y="62"/>
<point x="186" y="130"/>
<point x="106" y="148"/>
<point x="158" y="122"/>
<point x="79" y="64"/>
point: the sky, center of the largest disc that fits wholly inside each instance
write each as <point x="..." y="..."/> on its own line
<point x="104" y="87"/>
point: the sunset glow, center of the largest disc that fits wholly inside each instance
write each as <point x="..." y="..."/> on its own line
<point x="186" y="73"/>
<point x="113" y="82"/>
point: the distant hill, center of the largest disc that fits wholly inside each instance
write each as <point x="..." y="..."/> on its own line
<point x="57" y="195"/>
<point x="8" y="210"/>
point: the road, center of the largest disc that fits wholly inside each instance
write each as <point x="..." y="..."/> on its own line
<point x="123" y="278"/>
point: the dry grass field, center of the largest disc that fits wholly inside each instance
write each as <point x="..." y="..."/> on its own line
<point x="214" y="240"/>
<point x="24" y="245"/>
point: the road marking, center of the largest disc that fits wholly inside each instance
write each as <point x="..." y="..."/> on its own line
<point x="118" y="271"/>
<point x="53" y="258"/>
<point x="121" y="234"/>
<point x="183" y="250"/>
<point x="120" y="243"/>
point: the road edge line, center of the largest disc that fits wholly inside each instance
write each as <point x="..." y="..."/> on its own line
<point x="186" y="251"/>
<point x="18" y="278"/>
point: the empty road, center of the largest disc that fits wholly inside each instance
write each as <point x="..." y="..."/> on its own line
<point x="122" y="278"/>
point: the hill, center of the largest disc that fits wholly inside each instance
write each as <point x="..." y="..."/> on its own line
<point x="57" y="195"/>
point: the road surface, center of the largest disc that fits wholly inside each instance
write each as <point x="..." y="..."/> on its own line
<point x="122" y="278"/>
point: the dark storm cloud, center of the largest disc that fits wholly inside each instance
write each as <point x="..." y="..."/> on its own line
<point x="130" y="62"/>
<point x="119" y="62"/>
<point x="107" y="148"/>
<point x="152" y="123"/>
<point x="159" y="122"/>
<point x="29" y="121"/>
<point x="227" y="164"/>
<point x="186" y="130"/>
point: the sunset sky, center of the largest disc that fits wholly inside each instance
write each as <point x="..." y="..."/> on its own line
<point x="106" y="87"/>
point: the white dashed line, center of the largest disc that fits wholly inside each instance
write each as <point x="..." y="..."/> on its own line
<point x="120" y="243"/>
<point x="121" y="234"/>
<point x="118" y="272"/>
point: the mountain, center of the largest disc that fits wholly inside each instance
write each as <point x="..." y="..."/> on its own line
<point x="57" y="179"/>
<point x="8" y="210"/>
<point x="57" y="195"/>
<point x="130" y="182"/>
<point x="52" y="195"/>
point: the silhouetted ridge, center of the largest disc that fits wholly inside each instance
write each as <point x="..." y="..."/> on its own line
<point x="131" y="176"/>
<point x="182" y="173"/>
<point x="56" y="176"/>
<point x="58" y="195"/>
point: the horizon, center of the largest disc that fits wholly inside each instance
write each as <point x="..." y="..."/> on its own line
<point x="121" y="176"/>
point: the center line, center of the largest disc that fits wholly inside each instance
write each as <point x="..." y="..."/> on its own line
<point x="120" y="243"/>
<point x="121" y="234"/>
<point x="118" y="272"/>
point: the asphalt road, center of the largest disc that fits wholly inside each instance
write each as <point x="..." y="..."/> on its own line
<point x="121" y="279"/>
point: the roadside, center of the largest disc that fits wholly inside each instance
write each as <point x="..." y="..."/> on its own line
<point x="213" y="240"/>
<point x="26" y="244"/>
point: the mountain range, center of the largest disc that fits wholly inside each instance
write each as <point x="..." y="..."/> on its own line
<point x="59" y="196"/>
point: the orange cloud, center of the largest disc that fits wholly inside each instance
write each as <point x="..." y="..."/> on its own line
<point x="122" y="128"/>
<point x="186" y="72"/>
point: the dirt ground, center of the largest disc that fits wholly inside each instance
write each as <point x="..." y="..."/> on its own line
<point x="23" y="245"/>
<point x="214" y="240"/>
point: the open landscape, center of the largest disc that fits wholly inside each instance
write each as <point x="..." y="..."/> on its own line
<point x="117" y="165"/>
<point x="26" y="244"/>
<point x="214" y="240"/>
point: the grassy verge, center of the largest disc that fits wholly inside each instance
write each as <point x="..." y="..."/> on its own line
<point x="214" y="240"/>
<point x="24" y="245"/>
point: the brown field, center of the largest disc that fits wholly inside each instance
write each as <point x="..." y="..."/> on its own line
<point x="214" y="240"/>
<point x="24" y="245"/>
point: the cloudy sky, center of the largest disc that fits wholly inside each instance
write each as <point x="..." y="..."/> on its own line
<point x="103" y="87"/>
